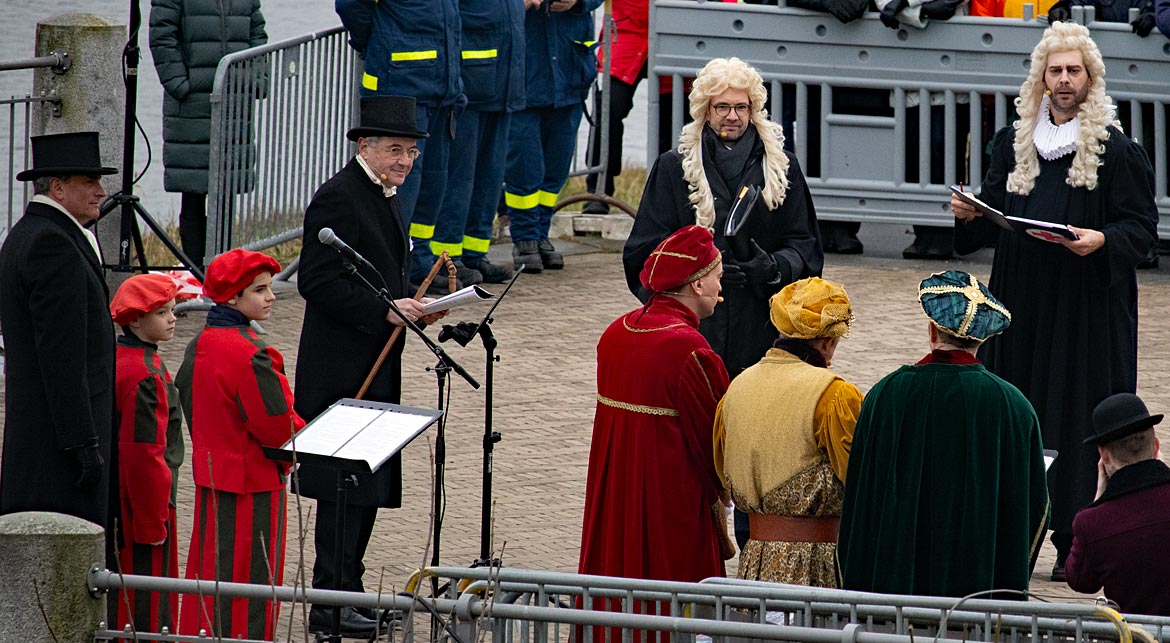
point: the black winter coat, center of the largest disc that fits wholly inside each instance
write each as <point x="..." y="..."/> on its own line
<point x="345" y="324"/>
<point x="740" y="331"/>
<point x="59" y="368"/>
<point x="187" y="39"/>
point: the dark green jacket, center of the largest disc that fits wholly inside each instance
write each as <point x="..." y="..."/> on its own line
<point x="946" y="493"/>
<point x="187" y="39"/>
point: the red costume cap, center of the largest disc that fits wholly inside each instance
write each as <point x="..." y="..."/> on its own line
<point x="681" y="258"/>
<point x="233" y="271"/>
<point x="139" y="295"/>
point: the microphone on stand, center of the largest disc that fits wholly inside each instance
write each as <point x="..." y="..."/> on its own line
<point x="327" y="237"/>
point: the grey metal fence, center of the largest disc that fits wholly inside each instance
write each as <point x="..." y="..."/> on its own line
<point x="18" y="112"/>
<point x="529" y="606"/>
<point x="279" y="113"/>
<point x="853" y="97"/>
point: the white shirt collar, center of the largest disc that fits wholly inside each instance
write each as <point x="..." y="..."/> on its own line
<point x="89" y="235"/>
<point x="387" y="191"/>
<point x="1054" y="141"/>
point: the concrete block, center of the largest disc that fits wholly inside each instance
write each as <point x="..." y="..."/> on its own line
<point x="562" y="225"/>
<point x="617" y="226"/>
<point x="44" y="560"/>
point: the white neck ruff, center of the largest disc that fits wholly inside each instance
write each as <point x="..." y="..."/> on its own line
<point x="1054" y="141"/>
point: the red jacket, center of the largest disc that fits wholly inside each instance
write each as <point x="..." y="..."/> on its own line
<point x="237" y="400"/>
<point x="1119" y="541"/>
<point x="150" y="444"/>
<point x="631" y="44"/>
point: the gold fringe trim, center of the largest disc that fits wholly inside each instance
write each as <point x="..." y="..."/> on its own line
<point x="637" y="408"/>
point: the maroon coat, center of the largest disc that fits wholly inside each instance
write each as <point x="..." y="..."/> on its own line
<point x="1119" y="541"/>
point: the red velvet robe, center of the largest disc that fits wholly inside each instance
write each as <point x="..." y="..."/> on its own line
<point x="652" y="481"/>
<point x="237" y="400"/>
<point x="150" y="450"/>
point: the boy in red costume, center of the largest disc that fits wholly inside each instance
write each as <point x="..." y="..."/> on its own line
<point x="237" y="400"/>
<point x="150" y="448"/>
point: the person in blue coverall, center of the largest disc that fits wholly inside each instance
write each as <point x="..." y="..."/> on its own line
<point x="493" y="81"/>
<point x="412" y="48"/>
<point x="559" y="66"/>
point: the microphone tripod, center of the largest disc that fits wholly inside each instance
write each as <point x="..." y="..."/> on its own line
<point x="125" y="200"/>
<point x="463" y="333"/>
<point x="442" y="370"/>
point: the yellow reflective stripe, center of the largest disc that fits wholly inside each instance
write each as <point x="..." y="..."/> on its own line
<point x="370" y="82"/>
<point x="420" y="231"/>
<point x="473" y="244"/>
<point x="479" y="53"/>
<point x="399" y="56"/>
<point x="522" y="202"/>
<point x="453" y="249"/>
<point x="587" y="43"/>
<point x="547" y="198"/>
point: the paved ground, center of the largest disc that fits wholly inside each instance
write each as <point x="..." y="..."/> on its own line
<point x="544" y="400"/>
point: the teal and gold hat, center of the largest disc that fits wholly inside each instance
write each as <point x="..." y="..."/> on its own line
<point x="959" y="305"/>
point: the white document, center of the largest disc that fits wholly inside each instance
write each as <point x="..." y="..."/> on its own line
<point x="389" y="432"/>
<point x="469" y="295"/>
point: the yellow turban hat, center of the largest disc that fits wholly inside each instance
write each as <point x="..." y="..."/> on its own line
<point x="812" y="308"/>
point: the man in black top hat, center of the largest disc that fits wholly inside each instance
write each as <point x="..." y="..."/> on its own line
<point x="59" y="341"/>
<point x="346" y="327"/>
<point x="1119" y="541"/>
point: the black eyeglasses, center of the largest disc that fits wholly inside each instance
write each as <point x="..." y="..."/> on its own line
<point x="723" y="109"/>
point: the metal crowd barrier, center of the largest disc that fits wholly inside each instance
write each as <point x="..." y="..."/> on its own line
<point x="278" y="118"/>
<point x="530" y="606"/>
<point x="855" y="157"/>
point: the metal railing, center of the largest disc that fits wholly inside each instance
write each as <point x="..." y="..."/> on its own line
<point x="279" y="113"/>
<point x="529" y="606"/>
<point x="19" y="127"/>
<point x="855" y="156"/>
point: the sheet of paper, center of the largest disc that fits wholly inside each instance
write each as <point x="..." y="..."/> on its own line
<point x="331" y="430"/>
<point x="469" y="295"/>
<point x="388" y="433"/>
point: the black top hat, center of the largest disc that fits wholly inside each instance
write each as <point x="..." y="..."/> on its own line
<point x="65" y="155"/>
<point x="1118" y="416"/>
<point x="386" y="116"/>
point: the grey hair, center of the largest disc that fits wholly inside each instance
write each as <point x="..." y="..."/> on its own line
<point x="41" y="184"/>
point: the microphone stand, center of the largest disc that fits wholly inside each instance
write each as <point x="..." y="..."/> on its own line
<point x="463" y="333"/>
<point x="442" y="371"/>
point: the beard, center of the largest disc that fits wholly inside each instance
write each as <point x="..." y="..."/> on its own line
<point x="1067" y="101"/>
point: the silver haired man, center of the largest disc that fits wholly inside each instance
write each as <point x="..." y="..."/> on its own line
<point x="1073" y="340"/>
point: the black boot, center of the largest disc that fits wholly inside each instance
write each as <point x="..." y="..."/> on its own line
<point x="492" y="273"/>
<point x="353" y="624"/>
<point x="527" y="254"/>
<point x="465" y="273"/>
<point x="549" y="256"/>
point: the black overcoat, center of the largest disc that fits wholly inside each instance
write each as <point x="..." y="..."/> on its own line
<point x="740" y="331"/>
<point x="59" y="367"/>
<point x="345" y="324"/>
<point x="1073" y="337"/>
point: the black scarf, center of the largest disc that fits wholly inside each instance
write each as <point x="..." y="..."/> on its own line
<point x="1134" y="477"/>
<point x="221" y="316"/>
<point x="128" y="338"/>
<point x="731" y="165"/>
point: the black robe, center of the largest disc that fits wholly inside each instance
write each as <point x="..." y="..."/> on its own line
<point x="1073" y="337"/>
<point x="59" y="368"/>
<point x="740" y="331"/>
<point x="345" y="324"/>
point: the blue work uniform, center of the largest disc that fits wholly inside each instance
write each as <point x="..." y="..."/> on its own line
<point x="493" y="81"/>
<point x="412" y="48"/>
<point x="559" y="67"/>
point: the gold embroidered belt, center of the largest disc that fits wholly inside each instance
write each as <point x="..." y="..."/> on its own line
<point x="794" y="529"/>
<point x="637" y="408"/>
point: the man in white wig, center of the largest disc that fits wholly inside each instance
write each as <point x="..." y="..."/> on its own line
<point x="731" y="145"/>
<point x="1073" y="339"/>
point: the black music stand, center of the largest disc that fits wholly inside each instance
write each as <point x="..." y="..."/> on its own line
<point x="350" y="437"/>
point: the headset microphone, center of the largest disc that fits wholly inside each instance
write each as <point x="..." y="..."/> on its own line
<point x="719" y="300"/>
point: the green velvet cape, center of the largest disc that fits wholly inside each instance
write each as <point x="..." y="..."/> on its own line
<point x="946" y="490"/>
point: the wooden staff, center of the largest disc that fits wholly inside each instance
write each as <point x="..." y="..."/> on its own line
<point x="442" y="260"/>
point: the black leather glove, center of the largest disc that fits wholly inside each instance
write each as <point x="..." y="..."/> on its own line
<point x="733" y="275"/>
<point x="1058" y="13"/>
<point x="940" y="9"/>
<point x="761" y="268"/>
<point x="889" y="13"/>
<point x="90" y="460"/>
<point x="1143" y="25"/>
<point x="845" y="11"/>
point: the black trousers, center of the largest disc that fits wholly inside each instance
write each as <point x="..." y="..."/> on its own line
<point x="621" y="101"/>
<point x="359" y="524"/>
<point x="193" y="226"/>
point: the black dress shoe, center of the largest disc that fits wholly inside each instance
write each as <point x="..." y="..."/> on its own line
<point x="353" y="624"/>
<point x="922" y="251"/>
<point x="845" y="244"/>
<point x="1058" y="573"/>
<point x="595" y="207"/>
<point x="549" y="256"/>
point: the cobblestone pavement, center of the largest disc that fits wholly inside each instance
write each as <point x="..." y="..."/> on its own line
<point x="548" y="328"/>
